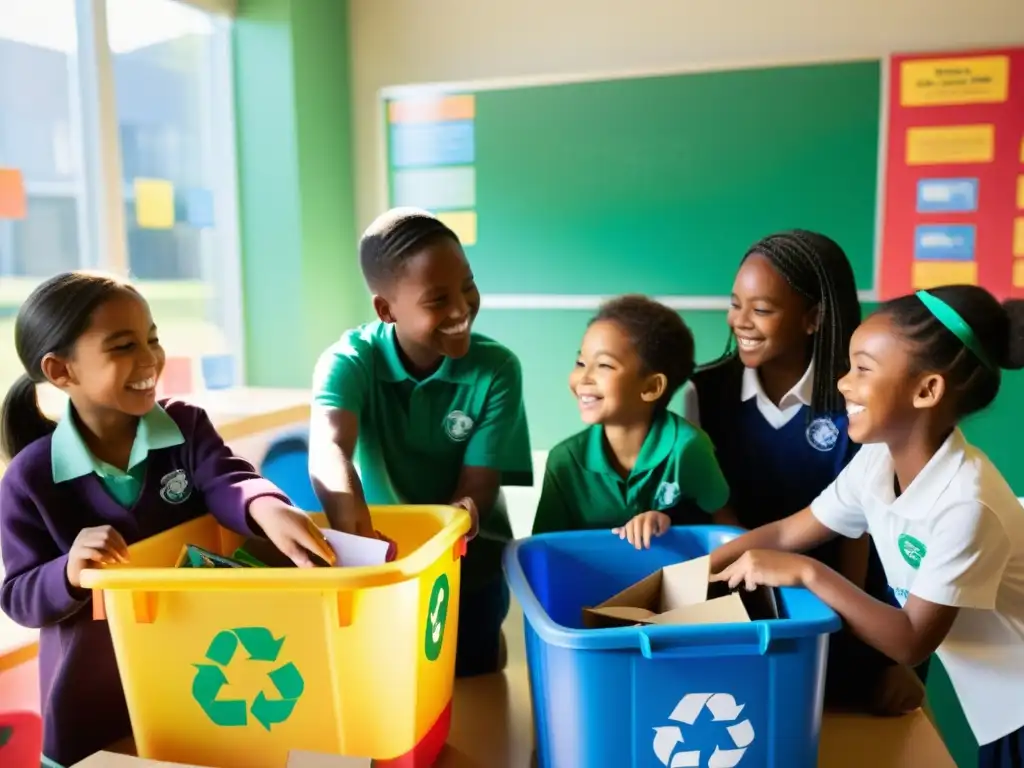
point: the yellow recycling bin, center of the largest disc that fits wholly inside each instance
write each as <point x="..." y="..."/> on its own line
<point x="235" y="667"/>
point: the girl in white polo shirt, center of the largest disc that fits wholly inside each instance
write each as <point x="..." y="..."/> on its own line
<point x="948" y="528"/>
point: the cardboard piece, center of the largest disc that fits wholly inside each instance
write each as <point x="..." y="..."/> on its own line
<point x="682" y="594"/>
<point x="296" y="759"/>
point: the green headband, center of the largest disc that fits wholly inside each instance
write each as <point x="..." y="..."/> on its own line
<point x="950" y="318"/>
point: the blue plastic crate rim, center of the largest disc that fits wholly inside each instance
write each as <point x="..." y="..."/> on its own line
<point x="680" y="641"/>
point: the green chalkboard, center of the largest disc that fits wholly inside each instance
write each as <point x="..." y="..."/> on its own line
<point x="659" y="184"/>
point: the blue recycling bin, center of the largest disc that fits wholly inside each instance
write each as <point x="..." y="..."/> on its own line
<point x="708" y="696"/>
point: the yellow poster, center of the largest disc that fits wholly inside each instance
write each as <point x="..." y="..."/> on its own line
<point x="945" y="82"/>
<point x="929" y="274"/>
<point x="154" y="203"/>
<point x="462" y="223"/>
<point x="1020" y="192"/>
<point x="1018" y="237"/>
<point x="1018" y="273"/>
<point x="940" y="145"/>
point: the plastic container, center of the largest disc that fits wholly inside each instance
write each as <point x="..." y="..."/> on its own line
<point x="235" y="667"/>
<point x="711" y="696"/>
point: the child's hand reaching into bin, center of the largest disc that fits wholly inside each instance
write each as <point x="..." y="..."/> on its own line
<point x="291" y="530"/>
<point x="469" y="505"/>
<point x="643" y="527"/>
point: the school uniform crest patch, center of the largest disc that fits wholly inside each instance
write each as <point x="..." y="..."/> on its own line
<point x="666" y="496"/>
<point x="175" y="487"/>
<point x="457" y="425"/>
<point x="822" y="434"/>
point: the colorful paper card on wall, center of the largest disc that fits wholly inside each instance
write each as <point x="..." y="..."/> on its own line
<point x="955" y="81"/>
<point x="154" y="203"/>
<point x="432" y="144"/>
<point x="177" y="378"/>
<point x="930" y="274"/>
<point x="947" y="195"/>
<point x="462" y="223"/>
<point x="944" y="242"/>
<point x="947" y="145"/>
<point x="218" y="371"/>
<point x="951" y="188"/>
<point x="13" y="200"/>
<point x="1018" y="237"/>
<point x="1020" y="192"/>
<point x="436" y="188"/>
<point x="198" y="208"/>
<point x="1018" y="273"/>
<point x="439" y="108"/>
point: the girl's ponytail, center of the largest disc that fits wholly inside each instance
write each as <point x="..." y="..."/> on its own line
<point x="1012" y="358"/>
<point x="21" y="420"/>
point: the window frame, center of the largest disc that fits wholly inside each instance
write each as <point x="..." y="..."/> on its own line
<point x="103" y="234"/>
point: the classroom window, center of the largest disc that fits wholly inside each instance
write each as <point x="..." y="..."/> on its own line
<point x="117" y="152"/>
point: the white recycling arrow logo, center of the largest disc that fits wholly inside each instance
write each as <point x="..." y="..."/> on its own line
<point x="724" y="709"/>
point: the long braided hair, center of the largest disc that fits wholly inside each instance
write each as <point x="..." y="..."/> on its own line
<point x="816" y="267"/>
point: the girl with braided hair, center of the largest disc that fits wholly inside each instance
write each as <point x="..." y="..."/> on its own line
<point x="772" y="409"/>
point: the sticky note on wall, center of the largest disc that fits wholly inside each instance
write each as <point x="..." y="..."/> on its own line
<point x="1018" y="237"/>
<point x="436" y="188"/>
<point x="177" y="378"/>
<point x="199" y="208"/>
<point x="13" y="202"/>
<point x="154" y="203"/>
<point x="947" y="82"/>
<point x="218" y="371"/>
<point x="952" y="145"/>
<point x="1018" y="273"/>
<point x="462" y="223"/>
<point x="1020" y="192"/>
<point x="437" y="108"/>
<point x="929" y="274"/>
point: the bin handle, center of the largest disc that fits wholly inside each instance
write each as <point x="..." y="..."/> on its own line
<point x="745" y="643"/>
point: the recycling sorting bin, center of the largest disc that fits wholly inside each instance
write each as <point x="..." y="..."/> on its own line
<point x="657" y="696"/>
<point x="235" y="667"/>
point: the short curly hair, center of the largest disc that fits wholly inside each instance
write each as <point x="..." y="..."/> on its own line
<point x="661" y="339"/>
<point x="393" y="238"/>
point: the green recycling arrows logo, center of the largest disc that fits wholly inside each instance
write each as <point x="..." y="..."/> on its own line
<point x="436" y="618"/>
<point x="261" y="646"/>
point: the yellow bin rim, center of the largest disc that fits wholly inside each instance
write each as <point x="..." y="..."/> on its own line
<point x="456" y="523"/>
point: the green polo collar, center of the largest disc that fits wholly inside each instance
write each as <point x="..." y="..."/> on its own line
<point x="71" y="458"/>
<point x="656" y="448"/>
<point x="451" y="370"/>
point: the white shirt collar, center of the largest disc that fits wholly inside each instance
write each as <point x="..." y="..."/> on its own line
<point x="918" y="500"/>
<point x="791" y="402"/>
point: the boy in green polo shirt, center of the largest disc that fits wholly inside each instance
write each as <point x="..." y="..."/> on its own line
<point x="430" y="412"/>
<point x="639" y="468"/>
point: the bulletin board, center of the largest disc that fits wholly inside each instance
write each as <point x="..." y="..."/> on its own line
<point x="954" y="183"/>
<point x="656" y="184"/>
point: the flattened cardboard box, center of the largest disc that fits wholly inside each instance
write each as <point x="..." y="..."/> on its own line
<point x="682" y="594"/>
<point x="296" y="759"/>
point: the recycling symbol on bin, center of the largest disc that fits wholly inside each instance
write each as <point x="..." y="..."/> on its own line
<point x="261" y="647"/>
<point x="670" y="745"/>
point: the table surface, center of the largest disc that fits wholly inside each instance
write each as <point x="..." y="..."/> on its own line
<point x="492" y="726"/>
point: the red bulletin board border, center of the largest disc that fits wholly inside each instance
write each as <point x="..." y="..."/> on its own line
<point x="997" y="200"/>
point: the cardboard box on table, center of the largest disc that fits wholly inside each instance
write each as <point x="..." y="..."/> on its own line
<point x="682" y="594"/>
<point x="296" y="759"/>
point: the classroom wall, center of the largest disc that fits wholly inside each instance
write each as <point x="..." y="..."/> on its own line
<point x="404" y="42"/>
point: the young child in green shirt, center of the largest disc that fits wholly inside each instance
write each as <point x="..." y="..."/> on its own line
<point x="638" y="468"/>
<point x="430" y="412"/>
